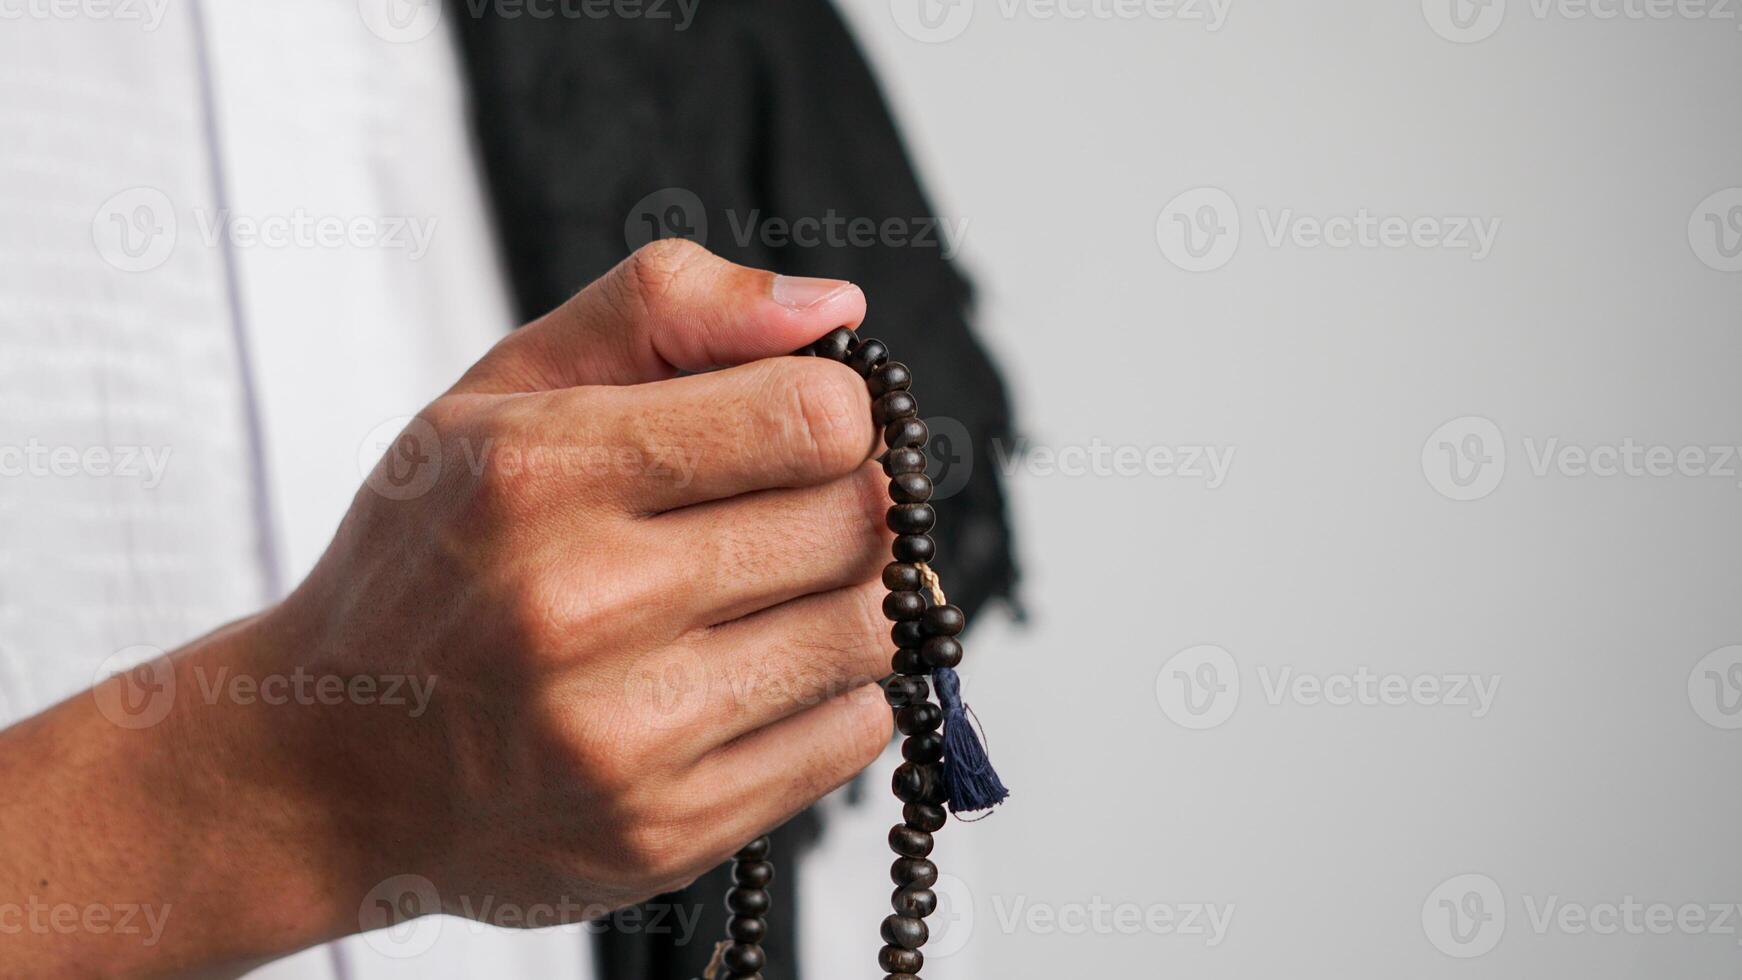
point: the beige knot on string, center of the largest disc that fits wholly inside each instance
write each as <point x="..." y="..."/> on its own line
<point x="719" y="960"/>
<point x="932" y="584"/>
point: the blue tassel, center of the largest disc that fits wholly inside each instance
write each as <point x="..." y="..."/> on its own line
<point x="968" y="774"/>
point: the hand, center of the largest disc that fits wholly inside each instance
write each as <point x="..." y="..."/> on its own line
<point x="638" y="614"/>
<point x="649" y="605"/>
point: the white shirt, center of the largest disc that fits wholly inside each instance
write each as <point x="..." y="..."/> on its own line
<point x="307" y="263"/>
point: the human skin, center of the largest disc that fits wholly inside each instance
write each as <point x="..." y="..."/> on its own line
<point x="631" y="669"/>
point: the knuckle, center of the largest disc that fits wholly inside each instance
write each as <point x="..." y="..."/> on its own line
<point x="495" y="454"/>
<point x="828" y="417"/>
<point x="494" y="499"/>
<point x="536" y="614"/>
<point x="655" y="851"/>
<point x="552" y="612"/>
<point x="450" y="413"/>
<point x="654" y="270"/>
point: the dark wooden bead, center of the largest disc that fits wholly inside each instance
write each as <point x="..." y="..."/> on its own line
<point x="744" y="959"/>
<point x="894" y="406"/>
<point x="902" y="690"/>
<point x="747" y="928"/>
<point x="908" y="842"/>
<point x="901" y="577"/>
<point x="906" y="932"/>
<point x="915" y="902"/>
<point x="892" y="376"/>
<point x="756" y="850"/>
<point x="914" y="783"/>
<point x="918" y="719"/>
<point x="907" y="635"/>
<point x="747" y="901"/>
<point x="905" y="433"/>
<point x="941" y="651"/>
<point x="914" y="548"/>
<point x="943" y="620"/>
<point x="868" y="356"/>
<point x="924" y="816"/>
<point x="910" y="488"/>
<point x="836" y="344"/>
<point x="913" y="873"/>
<point x="894" y="959"/>
<point x="753" y="874"/>
<point x="911" y="518"/>
<point x="905" y="460"/>
<point x="908" y="661"/>
<point x="924" y="749"/>
<point x="903" y="605"/>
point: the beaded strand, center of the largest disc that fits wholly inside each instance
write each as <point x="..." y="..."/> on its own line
<point x="925" y="631"/>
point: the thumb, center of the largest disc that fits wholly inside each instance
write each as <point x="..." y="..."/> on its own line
<point x="672" y="306"/>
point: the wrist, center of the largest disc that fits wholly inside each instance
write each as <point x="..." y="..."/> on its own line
<point x="158" y="830"/>
<point x="271" y="766"/>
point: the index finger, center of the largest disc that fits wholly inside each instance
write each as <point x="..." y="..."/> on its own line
<point x="778" y="423"/>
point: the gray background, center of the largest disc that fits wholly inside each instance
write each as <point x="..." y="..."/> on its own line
<point x="1335" y="831"/>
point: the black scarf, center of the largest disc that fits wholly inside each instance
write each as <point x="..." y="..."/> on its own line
<point x="753" y="110"/>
